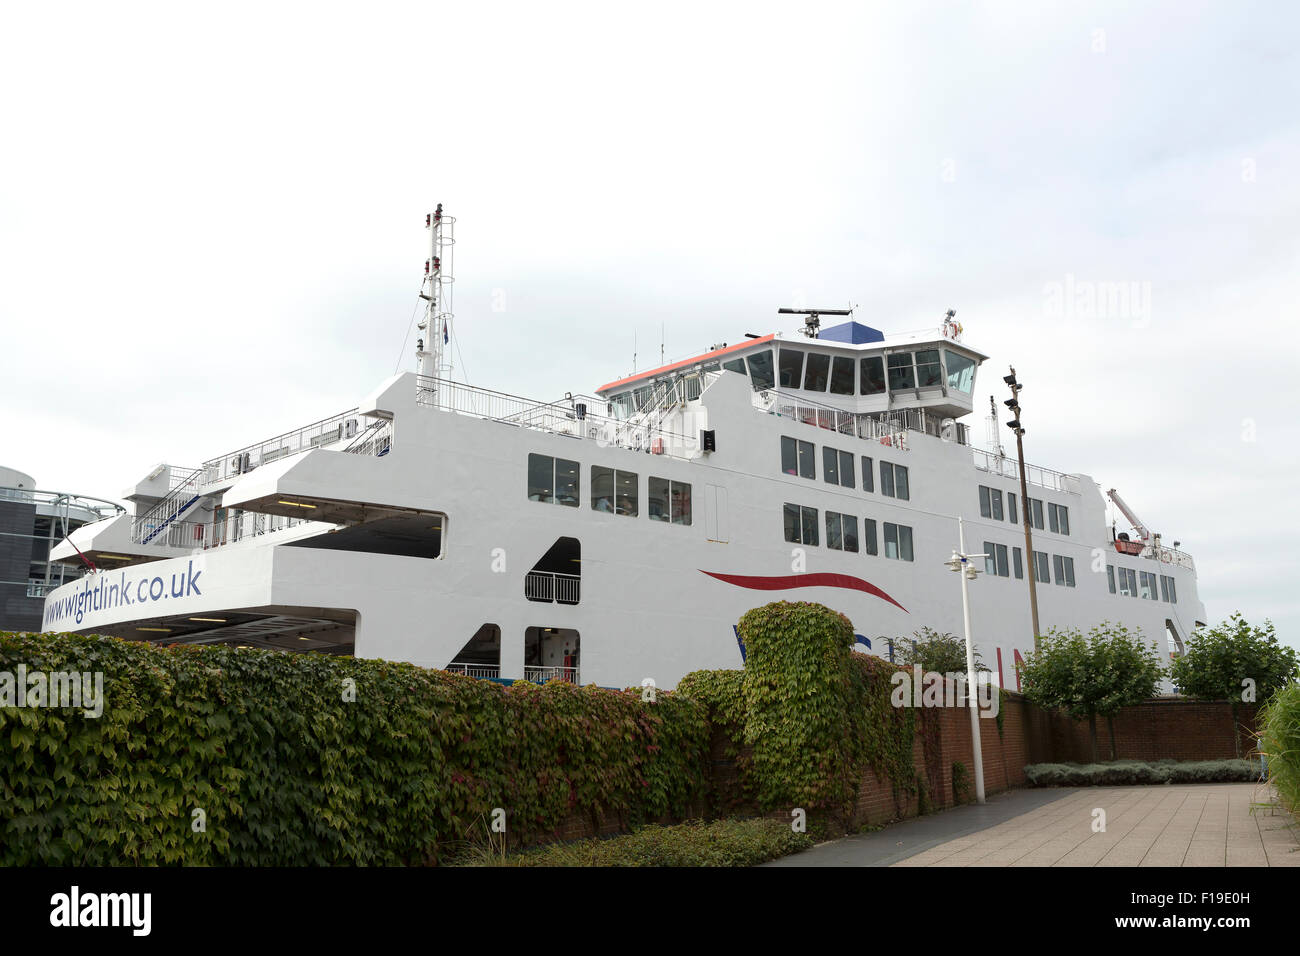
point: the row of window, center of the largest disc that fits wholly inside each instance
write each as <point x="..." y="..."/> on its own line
<point x="819" y="372"/>
<point x="613" y="490"/>
<point x="838" y="468"/>
<point x="997" y="565"/>
<point x="802" y="527"/>
<point x="1058" y="516"/>
<point x="1141" y="584"/>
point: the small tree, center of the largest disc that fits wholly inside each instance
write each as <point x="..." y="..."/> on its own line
<point x="942" y="653"/>
<point x="1235" y="662"/>
<point x="1089" y="676"/>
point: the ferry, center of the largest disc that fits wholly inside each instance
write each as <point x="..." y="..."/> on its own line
<point x="617" y="537"/>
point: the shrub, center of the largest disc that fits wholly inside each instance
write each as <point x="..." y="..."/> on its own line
<point x="1121" y="773"/>
<point x="1279" y="741"/>
<point x="721" y="843"/>
<point x="289" y="772"/>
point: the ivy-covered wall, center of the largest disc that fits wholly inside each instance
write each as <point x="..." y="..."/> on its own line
<point x="210" y="755"/>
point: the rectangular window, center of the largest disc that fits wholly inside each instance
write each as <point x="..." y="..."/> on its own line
<point x="1003" y="570"/>
<point x="760" y="369"/>
<point x="1110" y="577"/>
<point x="1041" y="572"/>
<point x="898" y="541"/>
<point x="1036" y="513"/>
<point x="847" y="478"/>
<point x="553" y="479"/>
<point x="1164" y="588"/>
<point x="819" y="370"/>
<point x="1011" y="508"/>
<point x="1058" y="518"/>
<point x="893" y="481"/>
<point x="872" y="375"/>
<point x="1173" y="592"/>
<point x="614" y="491"/>
<point x="669" y="501"/>
<point x="809" y="522"/>
<point x="842" y="376"/>
<point x="995" y="560"/>
<point x="986" y="506"/>
<point x="869" y="527"/>
<point x="1017" y="562"/>
<point x="791" y="368"/>
<point x="841" y="532"/>
<point x="1148" y="586"/>
<point x="734" y="365"/>
<point x="900" y="372"/>
<point x="929" y="373"/>
<point x="995" y="498"/>
<point x="792" y="527"/>
<point x="1128" y="584"/>
<point x="1064" y="569"/>
<point x="961" y="371"/>
<point x="868" y="475"/>
<point x="830" y="465"/>
<point x="797" y="458"/>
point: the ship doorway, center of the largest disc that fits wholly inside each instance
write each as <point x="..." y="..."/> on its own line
<point x="481" y="656"/>
<point x="552" y="653"/>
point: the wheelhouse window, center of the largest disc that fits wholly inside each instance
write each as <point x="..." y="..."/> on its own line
<point x="791" y="368"/>
<point x="553" y="480"/>
<point x="901" y="374"/>
<point x="735" y="365"/>
<point x="800" y="524"/>
<point x="929" y="372"/>
<point x="797" y="458"/>
<point x="817" y="373"/>
<point x="872" y="375"/>
<point x="1064" y="568"/>
<point x="898" y="541"/>
<point x="841" y="532"/>
<point x="961" y="372"/>
<point x="893" y="481"/>
<point x="613" y="491"/>
<point x="760" y="369"/>
<point x="669" y="501"/>
<point x="842" y="375"/>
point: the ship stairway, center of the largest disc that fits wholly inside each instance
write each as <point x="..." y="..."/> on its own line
<point x="178" y="501"/>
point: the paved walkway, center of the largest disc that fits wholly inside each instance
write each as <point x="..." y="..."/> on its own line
<point x="1179" y="825"/>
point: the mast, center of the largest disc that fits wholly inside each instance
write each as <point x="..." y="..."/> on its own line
<point x="433" y="348"/>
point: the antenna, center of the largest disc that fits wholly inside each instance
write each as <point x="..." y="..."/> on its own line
<point x="995" y="436"/>
<point x="433" y="355"/>
<point x="813" y="323"/>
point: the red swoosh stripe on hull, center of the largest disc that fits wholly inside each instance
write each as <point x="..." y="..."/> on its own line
<point x="820" y="579"/>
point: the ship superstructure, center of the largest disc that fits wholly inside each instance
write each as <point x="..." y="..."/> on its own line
<point x="619" y="536"/>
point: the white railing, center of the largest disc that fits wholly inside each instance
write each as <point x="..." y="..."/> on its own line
<point x="341" y="427"/>
<point x="376" y="439"/>
<point x="1169" y="556"/>
<point x="552" y="586"/>
<point x="194" y="535"/>
<point x="540" y="675"/>
<point x="1034" y="474"/>
<point x="481" y="671"/>
<point x="871" y="426"/>
<point x="573" y="417"/>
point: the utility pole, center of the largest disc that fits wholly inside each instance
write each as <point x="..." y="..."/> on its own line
<point x="962" y="564"/>
<point x="1013" y="403"/>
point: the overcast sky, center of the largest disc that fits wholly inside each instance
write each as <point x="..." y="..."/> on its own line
<point x="211" y="221"/>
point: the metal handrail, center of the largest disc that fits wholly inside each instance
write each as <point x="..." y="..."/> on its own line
<point x="540" y="675"/>
<point x="319" y="434"/>
<point x="1034" y="474"/>
<point x="552" y="586"/>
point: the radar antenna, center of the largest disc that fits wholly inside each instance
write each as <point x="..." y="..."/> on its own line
<point x="812" y="322"/>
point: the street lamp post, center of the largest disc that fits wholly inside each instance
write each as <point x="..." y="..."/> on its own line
<point x="1013" y="403"/>
<point x="961" y="563"/>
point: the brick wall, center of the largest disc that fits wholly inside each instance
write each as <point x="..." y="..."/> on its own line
<point x="1164" y="729"/>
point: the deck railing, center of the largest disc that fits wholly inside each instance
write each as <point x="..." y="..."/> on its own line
<point x="540" y="675"/>
<point x="481" y="671"/>
<point x="553" y="587"/>
<point x="341" y="427"/>
<point x="1034" y="474"/>
<point x="872" y="426"/>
